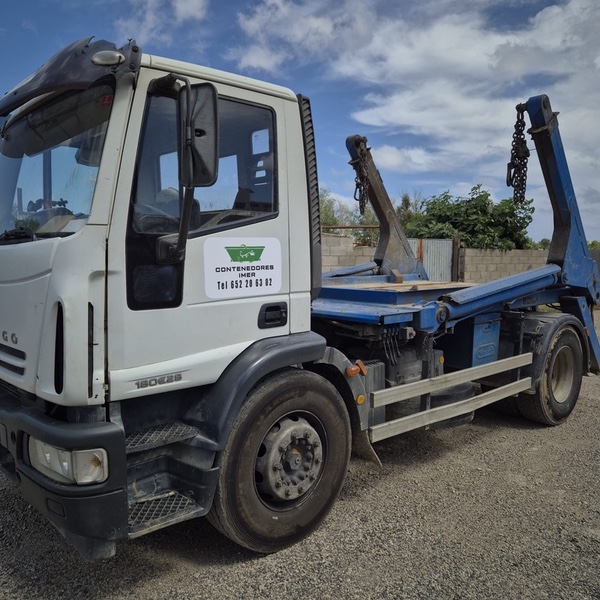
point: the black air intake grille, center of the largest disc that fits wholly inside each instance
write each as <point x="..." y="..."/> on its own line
<point x="12" y="359"/>
<point x="308" y="131"/>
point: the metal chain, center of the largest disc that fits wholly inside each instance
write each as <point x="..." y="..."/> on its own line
<point x="516" y="169"/>
<point x="361" y="193"/>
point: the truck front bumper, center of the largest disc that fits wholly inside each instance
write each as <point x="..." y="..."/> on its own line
<point x="92" y="517"/>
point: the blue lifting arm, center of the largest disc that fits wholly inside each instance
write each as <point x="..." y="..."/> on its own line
<point x="568" y="248"/>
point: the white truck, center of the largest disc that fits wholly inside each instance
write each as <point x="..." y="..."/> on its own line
<point x="169" y="349"/>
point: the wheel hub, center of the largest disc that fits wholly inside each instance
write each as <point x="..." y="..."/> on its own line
<point x="290" y="459"/>
<point x="562" y="374"/>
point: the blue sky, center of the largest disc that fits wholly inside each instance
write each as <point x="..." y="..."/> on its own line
<point x="431" y="83"/>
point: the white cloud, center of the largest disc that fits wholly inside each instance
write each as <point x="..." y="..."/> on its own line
<point x="449" y="87"/>
<point x="190" y="10"/>
<point x="561" y="40"/>
<point x="257" y="56"/>
<point x="405" y="160"/>
<point x="29" y="26"/>
<point x="157" y="22"/>
<point x="434" y="83"/>
<point x="300" y="31"/>
<point x="448" y="47"/>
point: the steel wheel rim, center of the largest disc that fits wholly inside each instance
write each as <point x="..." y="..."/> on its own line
<point x="289" y="461"/>
<point x="563" y="370"/>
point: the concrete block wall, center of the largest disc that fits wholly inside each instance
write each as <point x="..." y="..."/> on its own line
<point x="475" y="266"/>
<point x="479" y="266"/>
<point x="339" y="251"/>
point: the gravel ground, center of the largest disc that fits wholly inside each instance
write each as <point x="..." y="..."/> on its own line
<point x="501" y="508"/>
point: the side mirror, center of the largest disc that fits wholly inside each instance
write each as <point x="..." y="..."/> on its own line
<point x="198" y="135"/>
<point x="198" y="153"/>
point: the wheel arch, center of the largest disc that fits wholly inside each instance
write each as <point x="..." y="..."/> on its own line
<point x="539" y="331"/>
<point x="333" y="375"/>
<point x="218" y="408"/>
<point x="332" y="367"/>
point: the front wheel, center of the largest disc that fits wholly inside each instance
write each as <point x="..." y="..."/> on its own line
<point x="284" y="464"/>
<point x="558" y="390"/>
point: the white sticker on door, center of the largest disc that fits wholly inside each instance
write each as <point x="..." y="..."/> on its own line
<point x="239" y="267"/>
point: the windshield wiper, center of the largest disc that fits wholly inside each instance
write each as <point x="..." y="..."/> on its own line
<point x="16" y="236"/>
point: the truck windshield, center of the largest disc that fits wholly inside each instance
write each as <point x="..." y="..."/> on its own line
<point x="49" y="160"/>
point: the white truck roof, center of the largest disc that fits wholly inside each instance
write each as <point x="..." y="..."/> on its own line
<point x="216" y="76"/>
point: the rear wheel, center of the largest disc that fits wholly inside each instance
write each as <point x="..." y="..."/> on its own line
<point x="559" y="386"/>
<point x="284" y="464"/>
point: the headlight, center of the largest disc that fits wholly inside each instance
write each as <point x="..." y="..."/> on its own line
<point x="69" y="466"/>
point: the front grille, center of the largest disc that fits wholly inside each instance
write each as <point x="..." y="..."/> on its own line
<point x="12" y="359"/>
<point x="13" y="351"/>
<point x="10" y="389"/>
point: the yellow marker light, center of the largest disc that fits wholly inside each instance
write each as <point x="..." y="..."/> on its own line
<point x="360" y="399"/>
<point x="361" y="365"/>
<point x="357" y="369"/>
<point x="352" y="371"/>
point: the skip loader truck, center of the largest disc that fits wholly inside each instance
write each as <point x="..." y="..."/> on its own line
<point x="169" y="348"/>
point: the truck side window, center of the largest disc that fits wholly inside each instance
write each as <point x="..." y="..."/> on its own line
<point x="245" y="191"/>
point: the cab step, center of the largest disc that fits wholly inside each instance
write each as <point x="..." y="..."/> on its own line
<point x="159" y="435"/>
<point x="155" y="512"/>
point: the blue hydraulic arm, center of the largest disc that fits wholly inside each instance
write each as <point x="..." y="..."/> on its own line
<point x="568" y="248"/>
<point x="570" y="278"/>
<point x="571" y="272"/>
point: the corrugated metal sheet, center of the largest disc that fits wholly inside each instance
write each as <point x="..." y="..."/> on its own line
<point x="436" y="256"/>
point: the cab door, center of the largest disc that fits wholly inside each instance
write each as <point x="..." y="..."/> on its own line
<point x="179" y="325"/>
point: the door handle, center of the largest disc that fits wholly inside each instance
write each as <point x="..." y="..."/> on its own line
<point x="273" y="315"/>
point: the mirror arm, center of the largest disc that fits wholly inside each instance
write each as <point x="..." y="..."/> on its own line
<point x="188" y="126"/>
<point x="170" y="248"/>
<point x="167" y="251"/>
<point x="184" y="224"/>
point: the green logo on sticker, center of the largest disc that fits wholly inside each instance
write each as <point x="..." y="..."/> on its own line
<point x="244" y="253"/>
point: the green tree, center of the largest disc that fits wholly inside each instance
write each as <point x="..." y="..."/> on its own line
<point x="511" y="221"/>
<point x="327" y="208"/>
<point x="367" y="236"/>
<point x="333" y="212"/>
<point x="478" y="221"/>
<point x="544" y="244"/>
<point x="410" y="213"/>
<point x="407" y="208"/>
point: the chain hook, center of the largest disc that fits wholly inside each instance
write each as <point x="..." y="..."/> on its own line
<point x="361" y="192"/>
<point x="516" y="169"/>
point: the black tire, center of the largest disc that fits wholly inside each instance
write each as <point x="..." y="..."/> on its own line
<point x="507" y="406"/>
<point x="558" y="389"/>
<point x="284" y="464"/>
<point x="456" y="393"/>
